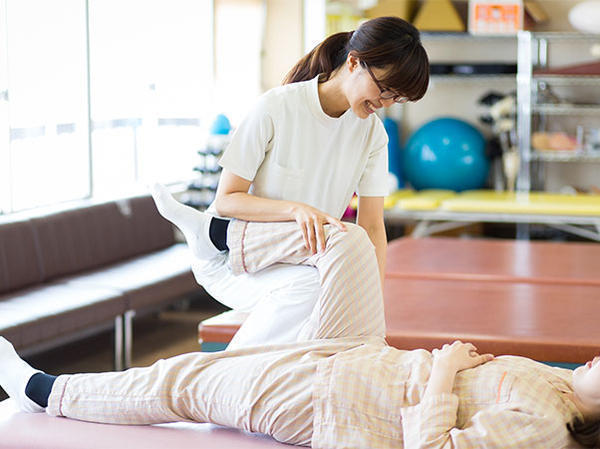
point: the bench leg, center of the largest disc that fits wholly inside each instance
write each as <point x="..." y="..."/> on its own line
<point x="128" y="337"/>
<point x="119" y="343"/>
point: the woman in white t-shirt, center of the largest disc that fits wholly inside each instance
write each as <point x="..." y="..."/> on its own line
<point x="300" y="155"/>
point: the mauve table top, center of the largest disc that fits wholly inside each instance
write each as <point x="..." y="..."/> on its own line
<point x="494" y="260"/>
<point x="546" y="322"/>
<point x="20" y="430"/>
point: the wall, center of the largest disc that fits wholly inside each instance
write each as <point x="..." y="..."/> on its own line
<point x="283" y="46"/>
<point x="239" y="28"/>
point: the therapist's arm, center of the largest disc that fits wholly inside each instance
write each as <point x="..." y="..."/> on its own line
<point x="370" y="218"/>
<point x="233" y="200"/>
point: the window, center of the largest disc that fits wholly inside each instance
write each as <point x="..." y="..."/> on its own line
<point x="5" y="196"/>
<point x="99" y="97"/>
<point x="150" y="80"/>
<point x="46" y="155"/>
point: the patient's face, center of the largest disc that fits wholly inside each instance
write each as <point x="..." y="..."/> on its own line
<point x="586" y="382"/>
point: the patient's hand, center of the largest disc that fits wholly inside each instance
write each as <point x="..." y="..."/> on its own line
<point x="459" y="356"/>
<point x="447" y="362"/>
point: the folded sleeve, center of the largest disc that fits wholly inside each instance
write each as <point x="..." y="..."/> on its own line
<point x="250" y="142"/>
<point x="374" y="179"/>
<point x="427" y="424"/>
<point x="431" y="425"/>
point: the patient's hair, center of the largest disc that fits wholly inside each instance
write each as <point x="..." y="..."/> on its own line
<point x="381" y="42"/>
<point x="586" y="433"/>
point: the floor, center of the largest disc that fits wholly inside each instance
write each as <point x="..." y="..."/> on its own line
<point x="156" y="335"/>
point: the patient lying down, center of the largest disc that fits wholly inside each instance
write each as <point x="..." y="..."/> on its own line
<point x="339" y="385"/>
<point x="336" y="393"/>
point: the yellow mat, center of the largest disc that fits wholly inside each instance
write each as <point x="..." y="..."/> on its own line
<point x="425" y="199"/>
<point x="534" y="203"/>
<point x="392" y="200"/>
<point x="389" y="201"/>
<point x="490" y="201"/>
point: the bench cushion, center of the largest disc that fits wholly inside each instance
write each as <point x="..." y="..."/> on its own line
<point x="35" y="315"/>
<point x="81" y="239"/>
<point x="145" y="280"/>
<point x="68" y="270"/>
<point x="40" y="431"/>
<point x="19" y="263"/>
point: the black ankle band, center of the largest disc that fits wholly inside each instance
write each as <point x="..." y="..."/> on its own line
<point x="218" y="233"/>
<point x="39" y="387"/>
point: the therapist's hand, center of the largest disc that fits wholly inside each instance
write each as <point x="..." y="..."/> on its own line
<point x="311" y="222"/>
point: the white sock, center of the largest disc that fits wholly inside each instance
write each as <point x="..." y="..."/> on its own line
<point x="193" y="224"/>
<point x="14" y="375"/>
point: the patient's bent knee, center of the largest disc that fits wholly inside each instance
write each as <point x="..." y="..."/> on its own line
<point x="354" y="235"/>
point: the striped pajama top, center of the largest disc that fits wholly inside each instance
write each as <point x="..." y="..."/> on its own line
<point x="369" y="396"/>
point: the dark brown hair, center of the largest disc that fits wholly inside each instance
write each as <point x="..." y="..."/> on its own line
<point x="383" y="42"/>
<point x="585" y="433"/>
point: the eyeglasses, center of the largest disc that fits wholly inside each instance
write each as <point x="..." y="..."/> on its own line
<point x="385" y="94"/>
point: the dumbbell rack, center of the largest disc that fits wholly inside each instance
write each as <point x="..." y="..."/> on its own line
<point x="202" y="190"/>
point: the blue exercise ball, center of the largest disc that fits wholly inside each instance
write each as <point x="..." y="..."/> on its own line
<point x="220" y="125"/>
<point x="446" y="153"/>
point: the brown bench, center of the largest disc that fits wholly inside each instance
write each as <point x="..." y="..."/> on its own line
<point x="507" y="297"/>
<point x="71" y="272"/>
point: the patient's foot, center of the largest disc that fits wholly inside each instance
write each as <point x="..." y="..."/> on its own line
<point x="14" y="376"/>
<point x="193" y="224"/>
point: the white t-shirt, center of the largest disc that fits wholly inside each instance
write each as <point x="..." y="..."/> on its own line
<point x="291" y="150"/>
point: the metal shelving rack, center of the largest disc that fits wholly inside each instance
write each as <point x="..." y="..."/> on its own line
<point x="533" y="53"/>
<point x="485" y="79"/>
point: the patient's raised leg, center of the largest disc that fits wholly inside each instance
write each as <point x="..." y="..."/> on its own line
<point x="350" y="299"/>
<point x="196" y="226"/>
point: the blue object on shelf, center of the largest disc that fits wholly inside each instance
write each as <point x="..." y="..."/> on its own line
<point x="394" y="150"/>
<point x="220" y="125"/>
<point x="446" y="153"/>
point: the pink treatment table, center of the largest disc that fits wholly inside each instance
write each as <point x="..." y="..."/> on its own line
<point x="20" y="430"/>
<point x="535" y="299"/>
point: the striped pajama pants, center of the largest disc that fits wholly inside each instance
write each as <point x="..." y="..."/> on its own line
<point x="265" y="389"/>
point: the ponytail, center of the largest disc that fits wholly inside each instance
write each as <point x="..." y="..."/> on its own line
<point x="384" y="42"/>
<point x="323" y="59"/>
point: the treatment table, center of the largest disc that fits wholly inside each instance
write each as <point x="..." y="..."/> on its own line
<point x="538" y="262"/>
<point x="534" y="299"/>
<point x="539" y="300"/>
<point x="20" y="430"/>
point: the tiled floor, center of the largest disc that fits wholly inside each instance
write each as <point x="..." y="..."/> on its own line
<point x="156" y="336"/>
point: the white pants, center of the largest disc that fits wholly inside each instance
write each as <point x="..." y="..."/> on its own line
<point x="279" y="298"/>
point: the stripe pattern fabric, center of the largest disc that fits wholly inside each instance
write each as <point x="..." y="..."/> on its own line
<point x="343" y="386"/>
